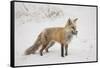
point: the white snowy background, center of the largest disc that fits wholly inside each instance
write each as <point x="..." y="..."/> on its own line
<point x="32" y="18"/>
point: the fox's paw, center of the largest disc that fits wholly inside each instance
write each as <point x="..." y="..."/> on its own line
<point x="66" y="54"/>
<point x="62" y="56"/>
<point x="41" y="54"/>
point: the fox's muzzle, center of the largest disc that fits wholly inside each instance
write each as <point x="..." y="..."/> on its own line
<point x="74" y="32"/>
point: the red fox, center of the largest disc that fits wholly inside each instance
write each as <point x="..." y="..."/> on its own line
<point x="49" y="36"/>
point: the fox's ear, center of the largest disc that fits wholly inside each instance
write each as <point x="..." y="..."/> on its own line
<point x="69" y="22"/>
<point x="75" y="20"/>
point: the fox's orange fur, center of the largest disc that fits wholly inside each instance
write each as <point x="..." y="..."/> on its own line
<point x="49" y="36"/>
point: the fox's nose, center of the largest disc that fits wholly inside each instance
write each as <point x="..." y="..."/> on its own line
<point x="76" y="32"/>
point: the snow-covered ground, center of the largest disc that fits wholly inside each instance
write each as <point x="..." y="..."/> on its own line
<point x="32" y="18"/>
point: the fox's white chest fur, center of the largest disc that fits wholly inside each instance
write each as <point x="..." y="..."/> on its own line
<point x="68" y="36"/>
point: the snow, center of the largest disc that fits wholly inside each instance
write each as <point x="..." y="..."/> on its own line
<point x="30" y="20"/>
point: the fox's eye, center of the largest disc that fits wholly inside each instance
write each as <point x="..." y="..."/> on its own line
<point x="73" y="28"/>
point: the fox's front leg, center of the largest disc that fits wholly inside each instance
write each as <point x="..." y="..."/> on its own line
<point x="62" y="50"/>
<point x="66" y="49"/>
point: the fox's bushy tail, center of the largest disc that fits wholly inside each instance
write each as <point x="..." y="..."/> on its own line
<point x="34" y="47"/>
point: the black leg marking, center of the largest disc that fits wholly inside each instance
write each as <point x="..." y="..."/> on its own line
<point x="62" y="50"/>
<point x="43" y="47"/>
<point x="66" y="49"/>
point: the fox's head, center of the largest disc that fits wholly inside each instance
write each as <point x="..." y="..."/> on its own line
<point x="70" y="27"/>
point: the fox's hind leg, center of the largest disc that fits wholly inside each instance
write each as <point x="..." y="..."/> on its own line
<point x="43" y="47"/>
<point x="50" y="45"/>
